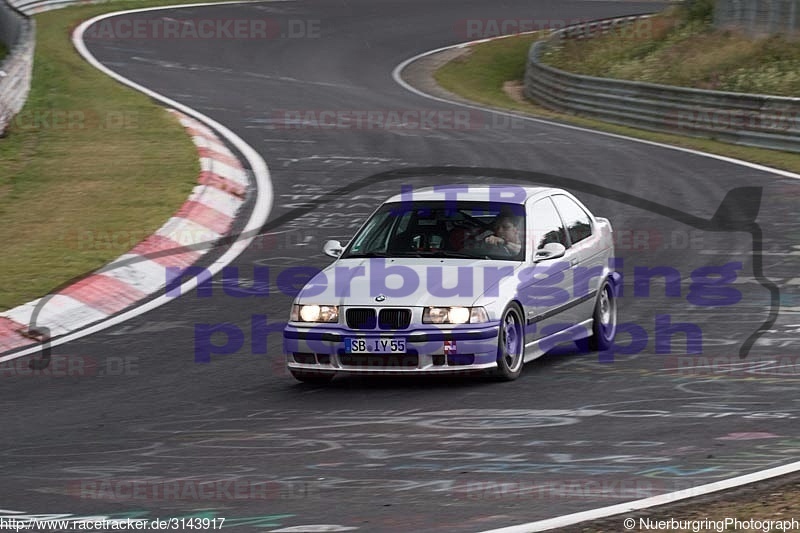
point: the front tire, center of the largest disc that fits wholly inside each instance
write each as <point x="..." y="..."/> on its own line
<point x="604" y="325"/>
<point x="510" y="345"/>
<point x="312" y="376"/>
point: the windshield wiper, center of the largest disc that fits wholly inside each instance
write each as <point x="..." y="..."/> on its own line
<point x="366" y="254"/>
<point x="416" y="253"/>
<point x="447" y="253"/>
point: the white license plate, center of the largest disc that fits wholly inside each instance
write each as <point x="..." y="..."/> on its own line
<point x="362" y="345"/>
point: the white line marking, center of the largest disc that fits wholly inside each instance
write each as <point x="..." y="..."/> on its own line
<point x="264" y="193"/>
<point x="396" y="74"/>
<point x="646" y="503"/>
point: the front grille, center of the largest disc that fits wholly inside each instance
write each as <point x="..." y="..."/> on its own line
<point x="394" y="318"/>
<point x="360" y="318"/>
<point x="380" y="360"/>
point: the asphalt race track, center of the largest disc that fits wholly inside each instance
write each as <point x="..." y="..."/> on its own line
<point x="576" y="431"/>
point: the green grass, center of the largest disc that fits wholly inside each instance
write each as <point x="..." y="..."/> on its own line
<point x="87" y="169"/>
<point x="676" y="49"/>
<point x="3" y="51"/>
<point x="481" y="73"/>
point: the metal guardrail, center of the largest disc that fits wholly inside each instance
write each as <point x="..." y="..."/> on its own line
<point x="748" y="119"/>
<point x="18" y="34"/>
<point x="32" y="7"/>
<point x="759" y="16"/>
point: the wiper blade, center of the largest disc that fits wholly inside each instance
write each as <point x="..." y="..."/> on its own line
<point x="416" y="253"/>
<point x="367" y="254"/>
<point x="447" y="253"/>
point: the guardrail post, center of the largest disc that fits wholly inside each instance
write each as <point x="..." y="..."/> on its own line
<point x="772" y="18"/>
<point x="758" y="16"/>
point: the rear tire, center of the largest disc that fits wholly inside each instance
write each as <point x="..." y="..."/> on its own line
<point x="604" y="325"/>
<point x="312" y="376"/>
<point x="510" y="345"/>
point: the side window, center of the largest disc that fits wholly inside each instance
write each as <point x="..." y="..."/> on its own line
<point x="547" y="226"/>
<point x="578" y="223"/>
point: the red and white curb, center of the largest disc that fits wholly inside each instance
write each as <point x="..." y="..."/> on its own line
<point x="204" y="218"/>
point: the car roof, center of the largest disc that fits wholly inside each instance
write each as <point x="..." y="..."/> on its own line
<point x="506" y="193"/>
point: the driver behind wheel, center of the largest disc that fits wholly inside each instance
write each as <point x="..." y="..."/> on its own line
<point x="506" y="233"/>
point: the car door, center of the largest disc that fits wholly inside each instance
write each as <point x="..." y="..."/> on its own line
<point x="545" y="287"/>
<point x="585" y="254"/>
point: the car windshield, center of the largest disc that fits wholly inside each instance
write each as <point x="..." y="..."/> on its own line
<point x="462" y="229"/>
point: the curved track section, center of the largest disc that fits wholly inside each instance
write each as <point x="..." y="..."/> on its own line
<point x="151" y="419"/>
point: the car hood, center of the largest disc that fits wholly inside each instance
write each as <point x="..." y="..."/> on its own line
<point x="407" y="282"/>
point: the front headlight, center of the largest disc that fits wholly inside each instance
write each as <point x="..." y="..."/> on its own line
<point x="454" y="315"/>
<point x="315" y="313"/>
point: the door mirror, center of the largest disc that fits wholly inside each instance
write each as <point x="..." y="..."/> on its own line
<point x="334" y="248"/>
<point x="552" y="250"/>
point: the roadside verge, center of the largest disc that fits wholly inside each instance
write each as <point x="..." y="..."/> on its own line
<point x="234" y="245"/>
<point x="204" y="218"/>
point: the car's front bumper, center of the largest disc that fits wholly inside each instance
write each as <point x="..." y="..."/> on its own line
<point x="453" y="349"/>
